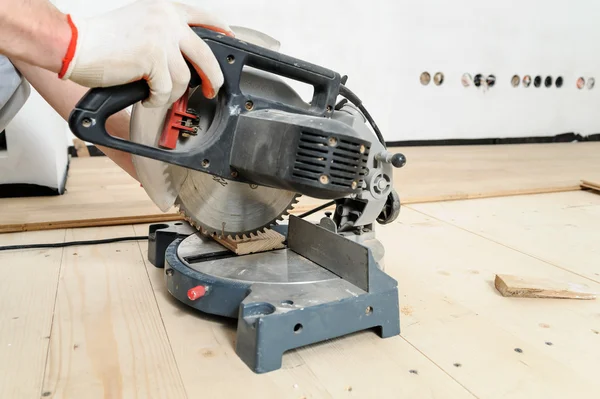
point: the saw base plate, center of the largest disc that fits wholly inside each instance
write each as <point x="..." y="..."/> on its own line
<point x="283" y="299"/>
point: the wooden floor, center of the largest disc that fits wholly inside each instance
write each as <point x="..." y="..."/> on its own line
<point x="99" y="193"/>
<point x="96" y="321"/>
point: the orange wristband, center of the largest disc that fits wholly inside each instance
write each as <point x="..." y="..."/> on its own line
<point x="70" y="50"/>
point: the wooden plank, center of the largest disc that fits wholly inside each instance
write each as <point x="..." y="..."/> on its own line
<point x="591" y="184"/>
<point x="81" y="148"/>
<point x="108" y="339"/>
<point x="558" y="228"/>
<point x="528" y="287"/>
<point x="69" y="224"/>
<point x="27" y="293"/>
<point x="259" y="242"/>
<point x="362" y="365"/>
<point x="452" y="313"/>
<point x="431" y="174"/>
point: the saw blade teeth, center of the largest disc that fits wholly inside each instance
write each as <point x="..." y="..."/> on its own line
<point x="238" y="235"/>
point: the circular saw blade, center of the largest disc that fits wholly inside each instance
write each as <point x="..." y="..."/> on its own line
<point x="229" y="208"/>
<point x="255" y="37"/>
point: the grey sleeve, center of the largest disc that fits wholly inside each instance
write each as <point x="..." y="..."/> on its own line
<point x="14" y="91"/>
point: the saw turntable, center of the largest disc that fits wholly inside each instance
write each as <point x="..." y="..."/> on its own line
<point x="235" y="166"/>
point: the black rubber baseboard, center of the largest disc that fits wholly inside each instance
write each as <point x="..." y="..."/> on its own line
<point x="561" y="138"/>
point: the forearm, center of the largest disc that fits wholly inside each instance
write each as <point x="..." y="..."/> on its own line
<point x="63" y="95"/>
<point x="34" y="31"/>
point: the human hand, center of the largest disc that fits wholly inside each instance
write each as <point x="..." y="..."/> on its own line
<point x="148" y="39"/>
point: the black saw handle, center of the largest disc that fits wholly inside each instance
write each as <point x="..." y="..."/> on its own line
<point x="88" y="119"/>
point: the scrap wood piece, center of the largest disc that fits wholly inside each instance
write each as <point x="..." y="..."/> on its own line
<point x="533" y="287"/>
<point x="81" y="148"/>
<point x="258" y="242"/>
<point x="96" y="222"/>
<point x="592" y="185"/>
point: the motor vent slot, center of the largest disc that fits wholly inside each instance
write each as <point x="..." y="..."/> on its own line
<point x="342" y="159"/>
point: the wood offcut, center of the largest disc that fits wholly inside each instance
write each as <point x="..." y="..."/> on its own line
<point x="258" y="242"/>
<point x="81" y="148"/>
<point x="531" y="287"/>
<point x="593" y="185"/>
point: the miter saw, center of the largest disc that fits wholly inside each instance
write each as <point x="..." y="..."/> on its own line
<point x="234" y="166"/>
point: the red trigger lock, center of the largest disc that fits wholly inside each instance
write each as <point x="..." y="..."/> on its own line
<point x="178" y="121"/>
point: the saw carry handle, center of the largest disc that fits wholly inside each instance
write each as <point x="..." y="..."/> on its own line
<point x="87" y="121"/>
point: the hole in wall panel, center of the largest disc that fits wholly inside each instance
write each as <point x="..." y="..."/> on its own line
<point x="559" y="82"/>
<point x="466" y="80"/>
<point x="515" y="81"/>
<point x="591" y="82"/>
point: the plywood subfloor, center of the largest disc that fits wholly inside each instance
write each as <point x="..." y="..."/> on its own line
<point x="96" y="321"/>
<point x="99" y="193"/>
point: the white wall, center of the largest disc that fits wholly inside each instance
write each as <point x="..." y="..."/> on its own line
<point x="384" y="45"/>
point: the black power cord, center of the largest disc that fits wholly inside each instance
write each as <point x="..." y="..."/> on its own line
<point x="354" y="99"/>
<point x="73" y="243"/>
<point x="317" y="209"/>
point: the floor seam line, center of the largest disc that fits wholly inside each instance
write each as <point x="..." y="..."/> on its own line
<point x="162" y="321"/>
<point x="439" y="367"/>
<point x="60" y="266"/>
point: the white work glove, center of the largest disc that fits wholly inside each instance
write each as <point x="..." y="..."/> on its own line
<point x="147" y="39"/>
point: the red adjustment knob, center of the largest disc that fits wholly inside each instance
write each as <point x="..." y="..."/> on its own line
<point x="196" y="292"/>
